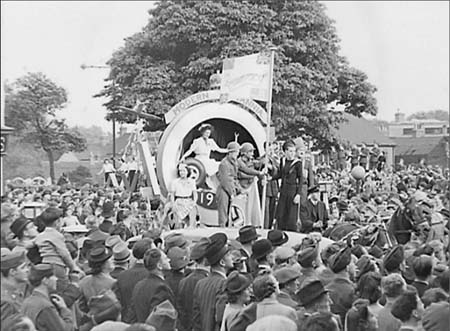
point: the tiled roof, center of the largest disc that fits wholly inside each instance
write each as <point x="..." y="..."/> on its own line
<point x="416" y="146"/>
<point x="358" y="130"/>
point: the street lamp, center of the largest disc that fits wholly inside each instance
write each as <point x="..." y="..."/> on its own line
<point x="84" y="67"/>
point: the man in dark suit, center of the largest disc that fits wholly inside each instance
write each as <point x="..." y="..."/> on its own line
<point x="127" y="280"/>
<point x="313" y="214"/>
<point x="185" y="299"/>
<point x="209" y="293"/>
<point x="291" y="176"/>
<point x="228" y="182"/>
<point x="153" y="289"/>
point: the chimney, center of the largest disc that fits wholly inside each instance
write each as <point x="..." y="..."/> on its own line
<point x="399" y="117"/>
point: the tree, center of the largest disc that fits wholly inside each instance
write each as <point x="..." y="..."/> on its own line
<point x="438" y="114"/>
<point x="185" y="42"/>
<point x="31" y="106"/>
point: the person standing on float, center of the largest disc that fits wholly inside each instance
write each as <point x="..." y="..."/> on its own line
<point x="202" y="148"/>
<point x="291" y="175"/>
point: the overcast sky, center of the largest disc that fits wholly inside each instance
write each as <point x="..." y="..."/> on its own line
<point x="402" y="46"/>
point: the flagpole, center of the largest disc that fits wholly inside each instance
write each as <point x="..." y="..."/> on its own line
<point x="269" y="116"/>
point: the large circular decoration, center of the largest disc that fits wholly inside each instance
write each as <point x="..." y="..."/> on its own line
<point x="358" y="172"/>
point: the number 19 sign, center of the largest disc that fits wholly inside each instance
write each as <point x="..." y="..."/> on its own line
<point x="207" y="199"/>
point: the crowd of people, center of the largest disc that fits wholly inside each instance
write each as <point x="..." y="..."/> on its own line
<point x="99" y="258"/>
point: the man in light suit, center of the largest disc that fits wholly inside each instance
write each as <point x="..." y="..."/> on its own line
<point x="228" y="182"/>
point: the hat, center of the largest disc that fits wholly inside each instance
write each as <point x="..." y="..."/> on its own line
<point x="99" y="254"/>
<point x="339" y="261"/>
<point x="237" y="282"/>
<point x="152" y="234"/>
<point x="121" y="253"/>
<point x="199" y="249"/>
<point x="333" y="199"/>
<point x="175" y="240"/>
<point x="375" y="251"/>
<point x="108" y="209"/>
<point x="151" y="258"/>
<point x="217" y="248"/>
<point x="435" y="317"/>
<point x="277" y="237"/>
<point x="364" y="265"/>
<point x="283" y="253"/>
<point x="141" y="246"/>
<point x="247" y="147"/>
<point x="342" y="206"/>
<point x="233" y="147"/>
<point x="310" y="291"/>
<point x="41" y="271"/>
<point x="261" y="248"/>
<point x="286" y="274"/>
<point x="19" y="225"/>
<point x="247" y="233"/>
<point x="178" y="258"/>
<point x="11" y="260"/>
<point x="393" y="258"/>
<point x="112" y="241"/>
<point x="111" y="326"/>
<point x="163" y="317"/>
<point x="50" y="215"/>
<point x="307" y="256"/>
<point x="78" y="228"/>
<point x="313" y="189"/>
<point x="205" y="126"/>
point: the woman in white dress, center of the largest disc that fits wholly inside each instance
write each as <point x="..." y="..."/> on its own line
<point x="183" y="197"/>
<point x="202" y="147"/>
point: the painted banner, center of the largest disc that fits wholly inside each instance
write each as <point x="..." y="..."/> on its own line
<point x="247" y="76"/>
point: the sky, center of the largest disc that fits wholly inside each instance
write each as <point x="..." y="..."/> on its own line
<point x="402" y="46"/>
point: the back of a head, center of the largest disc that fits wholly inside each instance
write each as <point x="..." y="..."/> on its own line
<point x="358" y="316"/>
<point x="423" y="266"/>
<point x="321" y="322"/>
<point x="263" y="286"/>
<point x="393" y="285"/>
<point x="369" y="286"/>
<point x="404" y="305"/>
<point x="140" y="327"/>
<point x="434" y="295"/>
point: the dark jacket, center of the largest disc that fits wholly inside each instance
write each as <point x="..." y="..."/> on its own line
<point x="246" y="317"/>
<point x="147" y="294"/>
<point x="126" y="281"/>
<point x="209" y="302"/>
<point x="227" y="175"/>
<point x="185" y="298"/>
<point x="285" y="299"/>
<point x="44" y="314"/>
<point x="342" y="294"/>
<point x="310" y="213"/>
<point x="173" y="278"/>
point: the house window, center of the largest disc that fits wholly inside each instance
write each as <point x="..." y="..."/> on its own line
<point x="433" y="130"/>
<point x="408" y="131"/>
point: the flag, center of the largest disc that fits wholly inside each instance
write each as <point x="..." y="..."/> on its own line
<point x="247" y="76"/>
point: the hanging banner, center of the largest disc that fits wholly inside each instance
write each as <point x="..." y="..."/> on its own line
<point x="247" y="76"/>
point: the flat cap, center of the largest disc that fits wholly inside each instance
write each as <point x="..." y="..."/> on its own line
<point x="286" y="274"/>
<point x="307" y="256"/>
<point x="393" y="258"/>
<point x="175" y="240"/>
<point x="283" y="253"/>
<point x="178" y="258"/>
<point x="339" y="261"/>
<point x="11" y="260"/>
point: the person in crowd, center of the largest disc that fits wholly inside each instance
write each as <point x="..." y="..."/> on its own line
<point x="183" y="198"/>
<point x="288" y="280"/>
<point x="14" y="278"/>
<point x="25" y="231"/>
<point x="408" y="308"/>
<point x="52" y="246"/>
<point x="392" y="286"/>
<point x="209" y="295"/>
<point x="277" y="237"/>
<point x="285" y="257"/>
<point x="121" y="259"/>
<point x="360" y="318"/>
<point x="99" y="280"/>
<point x="108" y="170"/>
<point x="307" y="258"/>
<point x="247" y="237"/>
<point x="369" y="288"/>
<point x="435" y="317"/>
<point x="423" y="268"/>
<point x="47" y="310"/>
<point x="185" y="299"/>
<point x="393" y="261"/>
<point x="291" y="175"/>
<point x="228" y="183"/>
<point x="321" y="322"/>
<point x="69" y="219"/>
<point x="262" y="256"/>
<point x="313" y="298"/>
<point x="313" y="214"/>
<point x="17" y="321"/>
<point x="179" y="260"/>
<point x="152" y="290"/>
<point x="266" y="290"/>
<point x="341" y="288"/>
<point x="127" y="280"/>
<point x="95" y="233"/>
<point x="238" y="295"/>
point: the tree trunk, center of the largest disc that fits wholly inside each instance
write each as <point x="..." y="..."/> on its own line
<point x="51" y="163"/>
